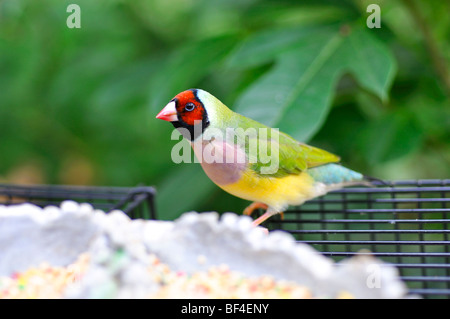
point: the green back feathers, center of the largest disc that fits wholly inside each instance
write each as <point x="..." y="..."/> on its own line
<point x="294" y="157"/>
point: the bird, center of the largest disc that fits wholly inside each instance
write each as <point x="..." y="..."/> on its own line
<point x="276" y="173"/>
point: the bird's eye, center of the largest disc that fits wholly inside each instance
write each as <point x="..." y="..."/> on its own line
<point x="189" y="107"/>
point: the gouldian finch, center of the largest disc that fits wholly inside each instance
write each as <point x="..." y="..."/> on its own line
<point x="279" y="171"/>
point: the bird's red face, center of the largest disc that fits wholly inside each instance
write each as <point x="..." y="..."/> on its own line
<point x="185" y="110"/>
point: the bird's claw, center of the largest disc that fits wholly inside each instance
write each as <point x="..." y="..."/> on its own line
<point x="253" y="206"/>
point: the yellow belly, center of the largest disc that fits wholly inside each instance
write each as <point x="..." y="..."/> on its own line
<point x="278" y="193"/>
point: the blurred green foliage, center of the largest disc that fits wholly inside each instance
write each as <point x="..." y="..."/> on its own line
<point x="78" y="106"/>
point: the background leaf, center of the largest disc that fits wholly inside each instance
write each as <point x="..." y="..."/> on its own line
<point x="182" y="190"/>
<point x="186" y="67"/>
<point x="390" y="137"/>
<point x="295" y="95"/>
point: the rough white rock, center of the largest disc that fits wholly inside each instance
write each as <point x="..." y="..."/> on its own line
<point x="120" y="248"/>
<point x="30" y="236"/>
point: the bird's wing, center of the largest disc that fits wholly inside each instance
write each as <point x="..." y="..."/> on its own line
<point x="293" y="156"/>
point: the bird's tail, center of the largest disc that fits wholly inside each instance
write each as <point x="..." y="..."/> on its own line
<point x="336" y="176"/>
<point x="375" y="181"/>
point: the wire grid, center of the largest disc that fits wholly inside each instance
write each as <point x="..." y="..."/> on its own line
<point x="137" y="202"/>
<point x="405" y="223"/>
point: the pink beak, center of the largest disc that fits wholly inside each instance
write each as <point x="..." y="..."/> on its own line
<point x="168" y="113"/>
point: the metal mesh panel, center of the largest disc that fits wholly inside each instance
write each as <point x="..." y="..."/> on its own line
<point x="405" y="223"/>
<point x="137" y="202"/>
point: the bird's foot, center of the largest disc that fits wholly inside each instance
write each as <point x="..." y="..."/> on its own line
<point x="264" y="217"/>
<point x="255" y="205"/>
<point x="261" y="219"/>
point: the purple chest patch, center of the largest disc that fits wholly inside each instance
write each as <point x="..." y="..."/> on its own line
<point x="221" y="161"/>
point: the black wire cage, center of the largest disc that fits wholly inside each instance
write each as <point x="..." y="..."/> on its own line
<point x="405" y="223"/>
<point x="136" y="202"/>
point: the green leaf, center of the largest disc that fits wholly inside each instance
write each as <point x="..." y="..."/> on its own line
<point x="392" y="136"/>
<point x="295" y="95"/>
<point x="182" y="190"/>
<point x="186" y="67"/>
<point x="370" y="61"/>
<point x="265" y="46"/>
